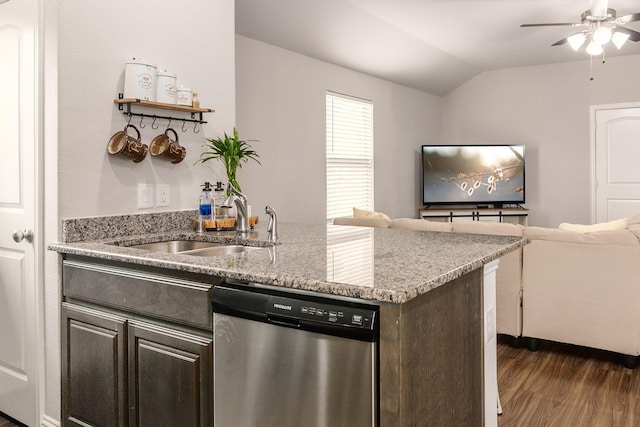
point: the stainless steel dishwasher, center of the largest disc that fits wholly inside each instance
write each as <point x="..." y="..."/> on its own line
<point x="291" y="359"/>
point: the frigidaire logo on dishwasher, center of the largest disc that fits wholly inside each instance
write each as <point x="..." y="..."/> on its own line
<point x="282" y="306"/>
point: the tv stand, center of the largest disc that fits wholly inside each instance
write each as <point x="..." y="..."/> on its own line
<point x="516" y="215"/>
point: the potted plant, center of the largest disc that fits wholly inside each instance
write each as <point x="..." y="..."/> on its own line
<point x="232" y="151"/>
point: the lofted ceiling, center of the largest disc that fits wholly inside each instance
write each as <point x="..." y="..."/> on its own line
<point x="432" y="45"/>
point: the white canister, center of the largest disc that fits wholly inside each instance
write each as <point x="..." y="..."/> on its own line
<point x="140" y="80"/>
<point x="165" y="87"/>
<point x="184" y="96"/>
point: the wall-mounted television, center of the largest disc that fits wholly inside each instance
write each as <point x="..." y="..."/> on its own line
<point x="473" y="174"/>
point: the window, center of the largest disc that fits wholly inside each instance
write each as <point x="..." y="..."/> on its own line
<point x="349" y="155"/>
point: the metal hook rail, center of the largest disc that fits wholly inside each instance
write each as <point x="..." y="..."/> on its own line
<point x="125" y="105"/>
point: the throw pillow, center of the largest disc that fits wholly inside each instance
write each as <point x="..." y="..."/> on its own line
<point x="361" y="213"/>
<point x="618" y="224"/>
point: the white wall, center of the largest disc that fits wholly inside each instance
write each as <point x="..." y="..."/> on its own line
<point x="281" y="102"/>
<point x="195" y="40"/>
<point x="547" y="109"/>
<point x="94" y="40"/>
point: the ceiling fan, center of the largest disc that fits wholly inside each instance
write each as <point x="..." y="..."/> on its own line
<point x="597" y="26"/>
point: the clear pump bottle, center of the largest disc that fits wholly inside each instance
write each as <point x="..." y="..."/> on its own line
<point x="219" y="196"/>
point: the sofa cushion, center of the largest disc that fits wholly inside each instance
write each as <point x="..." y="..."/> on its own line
<point x="495" y="228"/>
<point x="420" y="224"/>
<point x="635" y="229"/>
<point x="362" y="222"/>
<point x="615" y="238"/>
<point x="634" y="220"/>
<point x="362" y="213"/>
<point x="618" y="224"/>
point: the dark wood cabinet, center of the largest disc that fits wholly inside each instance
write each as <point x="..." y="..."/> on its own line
<point x="170" y="379"/>
<point x="148" y="364"/>
<point x="93" y="368"/>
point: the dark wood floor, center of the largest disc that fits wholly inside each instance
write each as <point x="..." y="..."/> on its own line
<point x="559" y="386"/>
<point x="4" y="422"/>
<point x="566" y="386"/>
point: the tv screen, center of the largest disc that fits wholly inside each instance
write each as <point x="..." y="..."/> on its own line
<point x="473" y="174"/>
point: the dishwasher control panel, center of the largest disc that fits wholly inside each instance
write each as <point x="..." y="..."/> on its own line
<point x="340" y="317"/>
<point x="321" y="313"/>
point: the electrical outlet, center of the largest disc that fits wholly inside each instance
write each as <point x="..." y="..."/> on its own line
<point x="145" y="196"/>
<point x="162" y="195"/>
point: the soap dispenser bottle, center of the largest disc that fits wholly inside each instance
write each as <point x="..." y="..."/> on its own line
<point x="206" y="204"/>
<point x="219" y="196"/>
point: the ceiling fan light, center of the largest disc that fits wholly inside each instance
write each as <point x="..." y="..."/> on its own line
<point x="594" y="48"/>
<point x="576" y="41"/>
<point x="602" y="35"/>
<point x="619" y="38"/>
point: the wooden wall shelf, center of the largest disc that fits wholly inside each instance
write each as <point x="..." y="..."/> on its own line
<point x="125" y="105"/>
<point x="163" y="105"/>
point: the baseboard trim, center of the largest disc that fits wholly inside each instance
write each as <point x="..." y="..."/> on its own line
<point x="47" y="421"/>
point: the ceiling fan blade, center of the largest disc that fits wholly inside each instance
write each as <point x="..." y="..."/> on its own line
<point x="555" y="24"/>
<point x="629" y="18"/>
<point x="599" y="8"/>
<point x="561" y="42"/>
<point x="634" y="36"/>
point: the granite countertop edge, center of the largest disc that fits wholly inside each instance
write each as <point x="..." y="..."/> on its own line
<point x="403" y="264"/>
<point x="106" y="250"/>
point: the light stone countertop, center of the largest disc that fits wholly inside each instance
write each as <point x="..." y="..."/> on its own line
<point x="389" y="265"/>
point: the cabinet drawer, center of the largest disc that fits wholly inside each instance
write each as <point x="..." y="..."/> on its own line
<point x="161" y="296"/>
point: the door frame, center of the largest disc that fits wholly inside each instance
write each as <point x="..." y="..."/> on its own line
<point x="592" y="145"/>
<point x="49" y="287"/>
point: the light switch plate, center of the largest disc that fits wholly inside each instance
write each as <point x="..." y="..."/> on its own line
<point x="145" y="196"/>
<point x="162" y="195"/>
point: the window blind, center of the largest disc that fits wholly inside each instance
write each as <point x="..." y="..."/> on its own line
<point x="349" y="155"/>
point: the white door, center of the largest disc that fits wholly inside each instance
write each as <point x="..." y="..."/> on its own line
<point x="617" y="156"/>
<point x="18" y="169"/>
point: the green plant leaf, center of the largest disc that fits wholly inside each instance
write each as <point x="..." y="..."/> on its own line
<point x="231" y="151"/>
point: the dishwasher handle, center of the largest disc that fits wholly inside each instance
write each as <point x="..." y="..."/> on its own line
<point x="283" y="321"/>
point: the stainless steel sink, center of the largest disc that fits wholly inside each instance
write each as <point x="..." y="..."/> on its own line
<point x="192" y="247"/>
<point x="221" y="250"/>
<point x="175" y="246"/>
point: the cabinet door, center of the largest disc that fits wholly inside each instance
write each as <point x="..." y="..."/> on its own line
<point x="170" y="378"/>
<point x="93" y="368"/>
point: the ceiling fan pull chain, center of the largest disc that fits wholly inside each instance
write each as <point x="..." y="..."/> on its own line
<point x="591" y="67"/>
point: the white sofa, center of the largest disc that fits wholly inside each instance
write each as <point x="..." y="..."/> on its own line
<point x="564" y="286"/>
<point x="583" y="289"/>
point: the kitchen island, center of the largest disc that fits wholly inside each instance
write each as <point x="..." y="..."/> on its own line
<point x="429" y="287"/>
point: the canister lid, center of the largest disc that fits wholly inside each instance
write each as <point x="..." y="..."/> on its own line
<point x="141" y="61"/>
<point x="165" y="73"/>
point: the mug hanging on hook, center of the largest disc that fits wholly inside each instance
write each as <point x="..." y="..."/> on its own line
<point x="128" y="146"/>
<point x="167" y="147"/>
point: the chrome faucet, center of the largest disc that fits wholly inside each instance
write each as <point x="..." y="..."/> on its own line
<point x="272" y="227"/>
<point x="242" y="217"/>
